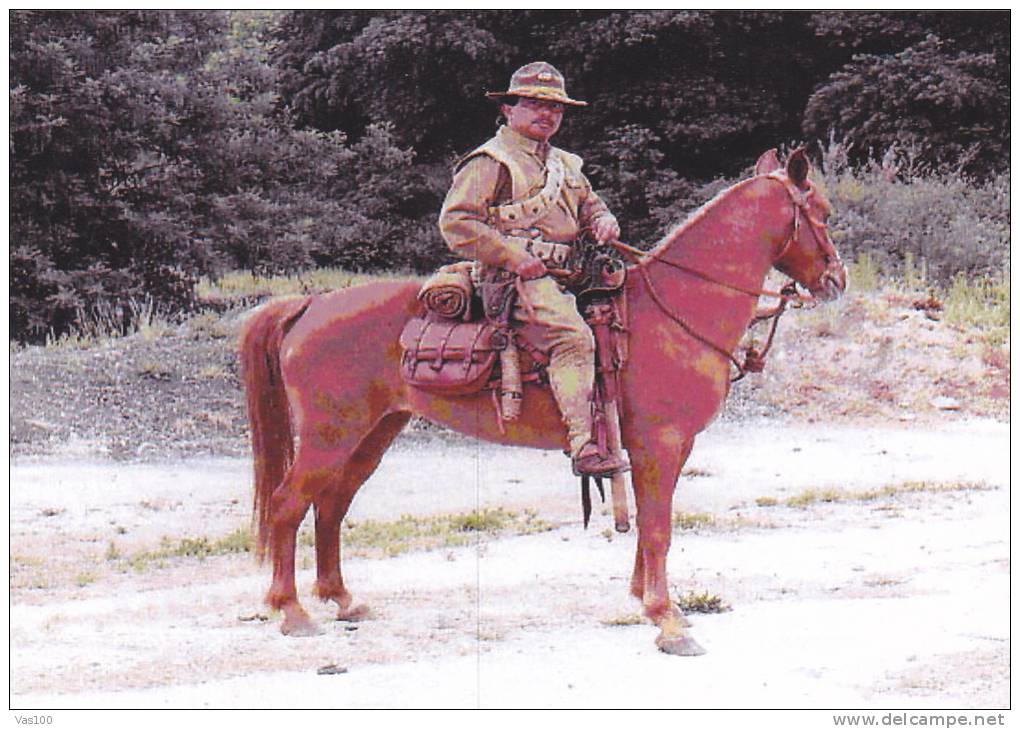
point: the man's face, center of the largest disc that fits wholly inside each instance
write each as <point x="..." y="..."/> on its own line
<point x="534" y="118"/>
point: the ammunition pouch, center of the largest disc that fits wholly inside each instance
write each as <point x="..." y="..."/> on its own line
<point x="553" y="255"/>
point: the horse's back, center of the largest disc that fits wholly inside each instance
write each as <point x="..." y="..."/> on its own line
<point x="354" y="304"/>
<point x="352" y="331"/>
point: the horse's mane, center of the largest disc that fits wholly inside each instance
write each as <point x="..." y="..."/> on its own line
<point x="697" y="216"/>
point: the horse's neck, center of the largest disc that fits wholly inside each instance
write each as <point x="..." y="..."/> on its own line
<point x="733" y="235"/>
<point x="731" y="239"/>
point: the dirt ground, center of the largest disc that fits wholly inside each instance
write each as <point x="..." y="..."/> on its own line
<point x="897" y="600"/>
<point x="850" y="507"/>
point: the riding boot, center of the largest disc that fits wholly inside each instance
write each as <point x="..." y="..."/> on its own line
<point x="571" y="369"/>
<point x="590" y="461"/>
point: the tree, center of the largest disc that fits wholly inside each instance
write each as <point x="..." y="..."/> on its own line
<point x="946" y="106"/>
<point x="149" y="148"/>
<point x="98" y="188"/>
<point x="416" y="71"/>
<point x="708" y="91"/>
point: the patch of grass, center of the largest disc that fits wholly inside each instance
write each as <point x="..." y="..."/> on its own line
<point x="210" y="324"/>
<point x="929" y="487"/>
<point x="25" y="560"/>
<point x="237" y="542"/>
<point x="863" y="273"/>
<point x="695" y="472"/>
<point x="148" y="321"/>
<point x="693" y="520"/>
<point x="914" y="275"/>
<point x="84" y="579"/>
<point x="980" y="303"/>
<point x="69" y="340"/>
<point x="810" y="497"/>
<point x="153" y="370"/>
<point x="391" y="538"/>
<point x="814" y="496"/>
<point x="624" y="620"/>
<point x="698" y="521"/>
<point x="241" y="285"/>
<point x="30" y="572"/>
<point x="212" y="372"/>
<point x="105" y="321"/>
<point x="487" y="520"/>
<point x="702" y="602"/>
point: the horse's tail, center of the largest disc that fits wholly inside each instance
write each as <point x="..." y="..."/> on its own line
<point x="272" y="438"/>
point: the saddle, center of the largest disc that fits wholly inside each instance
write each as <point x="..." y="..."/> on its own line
<point x="465" y="340"/>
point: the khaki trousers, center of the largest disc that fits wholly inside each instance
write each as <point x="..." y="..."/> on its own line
<point x="562" y="332"/>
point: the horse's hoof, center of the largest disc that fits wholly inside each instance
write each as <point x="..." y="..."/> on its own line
<point x="300" y="628"/>
<point x="354" y="614"/>
<point x="683" y="646"/>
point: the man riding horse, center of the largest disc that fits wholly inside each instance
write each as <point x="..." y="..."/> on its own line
<point x="516" y="206"/>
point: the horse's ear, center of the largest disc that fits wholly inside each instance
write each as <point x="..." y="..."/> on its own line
<point x="767" y="163"/>
<point x="797" y="167"/>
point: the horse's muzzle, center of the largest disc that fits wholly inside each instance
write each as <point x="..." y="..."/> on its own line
<point x="832" y="283"/>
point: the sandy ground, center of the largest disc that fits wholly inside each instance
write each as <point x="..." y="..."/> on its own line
<point x="900" y="601"/>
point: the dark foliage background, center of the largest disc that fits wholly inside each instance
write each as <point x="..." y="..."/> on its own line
<point x="149" y="148"/>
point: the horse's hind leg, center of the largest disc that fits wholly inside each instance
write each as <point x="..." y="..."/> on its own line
<point x="315" y="471"/>
<point x="332" y="506"/>
<point x="290" y="503"/>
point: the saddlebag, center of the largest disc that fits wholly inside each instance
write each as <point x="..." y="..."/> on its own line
<point x="449" y="356"/>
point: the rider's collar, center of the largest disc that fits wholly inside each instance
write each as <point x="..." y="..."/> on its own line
<point x="531" y="146"/>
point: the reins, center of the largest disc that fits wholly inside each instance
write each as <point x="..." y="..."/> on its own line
<point x="638" y="253"/>
<point x="754" y="360"/>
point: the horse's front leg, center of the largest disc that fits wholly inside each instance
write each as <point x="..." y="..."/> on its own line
<point x="656" y="471"/>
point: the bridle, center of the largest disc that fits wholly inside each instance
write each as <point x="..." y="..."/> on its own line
<point x="754" y="360"/>
<point x="802" y="210"/>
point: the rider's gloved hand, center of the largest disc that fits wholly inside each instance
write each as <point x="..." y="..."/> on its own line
<point x="606" y="230"/>
<point x="531" y="268"/>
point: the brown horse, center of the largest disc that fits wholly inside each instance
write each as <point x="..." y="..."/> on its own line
<point x="325" y="398"/>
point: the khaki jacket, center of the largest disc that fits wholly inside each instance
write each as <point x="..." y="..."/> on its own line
<point x="511" y="168"/>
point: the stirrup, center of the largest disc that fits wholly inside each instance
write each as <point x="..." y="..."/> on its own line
<point x="596" y="464"/>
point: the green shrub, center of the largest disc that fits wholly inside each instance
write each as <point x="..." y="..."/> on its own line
<point x="927" y="226"/>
